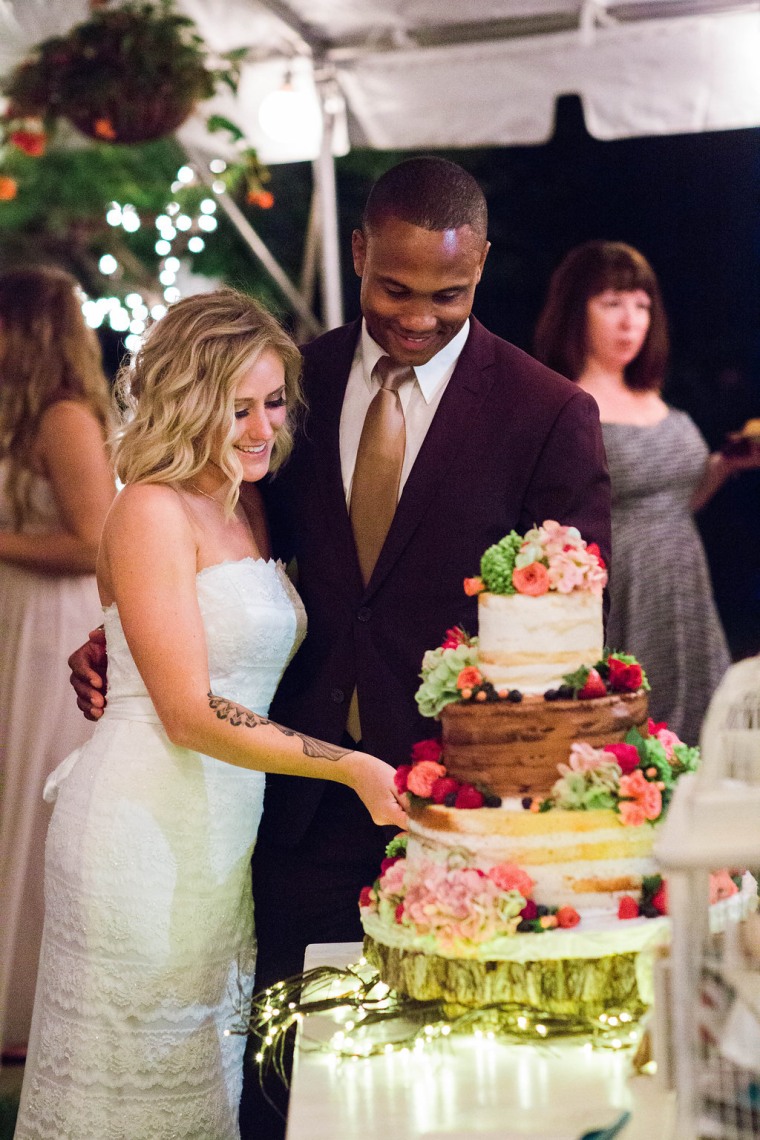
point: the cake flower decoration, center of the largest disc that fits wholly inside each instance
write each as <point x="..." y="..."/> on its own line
<point x="547" y="557"/>
<point x="635" y="777"/>
<point x="460" y="907"/>
<point x="427" y="781"/>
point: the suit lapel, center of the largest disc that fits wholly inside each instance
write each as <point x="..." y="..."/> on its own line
<point x="469" y="385"/>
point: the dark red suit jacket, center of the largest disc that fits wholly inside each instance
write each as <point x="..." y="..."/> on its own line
<point x="511" y="444"/>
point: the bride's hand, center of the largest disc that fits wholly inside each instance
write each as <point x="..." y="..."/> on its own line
<point x="372" y="780"/>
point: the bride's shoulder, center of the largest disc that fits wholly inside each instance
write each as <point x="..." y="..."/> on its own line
<point x="150" y="508"/>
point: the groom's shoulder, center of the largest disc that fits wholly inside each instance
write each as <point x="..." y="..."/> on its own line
<point x="331" y="346"/>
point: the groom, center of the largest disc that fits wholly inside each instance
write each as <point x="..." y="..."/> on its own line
<point x="470" y="439"/>
<point x="493" y="441"/>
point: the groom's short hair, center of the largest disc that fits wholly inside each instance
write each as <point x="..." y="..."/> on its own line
<point x="428" y="192"/>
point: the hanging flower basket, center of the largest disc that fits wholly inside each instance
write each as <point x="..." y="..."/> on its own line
<point x="133" y="120"/>
<point x="130" y="73"/>
<point x="133" y="72"/>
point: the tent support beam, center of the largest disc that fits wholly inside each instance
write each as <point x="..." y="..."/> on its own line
<point x="258" y="247"/>
<point x="327" y="199"/>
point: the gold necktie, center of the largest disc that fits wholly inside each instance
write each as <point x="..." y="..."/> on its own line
<point x="379" y="459"/>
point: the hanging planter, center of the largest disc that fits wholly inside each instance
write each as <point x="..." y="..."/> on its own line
<point x="130" y="73"/>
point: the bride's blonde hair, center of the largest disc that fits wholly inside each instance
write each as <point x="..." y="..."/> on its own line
<point x="178" y="391"/>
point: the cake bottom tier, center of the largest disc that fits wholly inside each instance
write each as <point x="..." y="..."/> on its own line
<point x="579" y="989"/>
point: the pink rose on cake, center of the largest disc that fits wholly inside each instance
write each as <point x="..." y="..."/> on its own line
<point x="584" y="758"/>
<point x="509" y="877"/>
<point x="532" y="579"/>
<point x="460" y="907"/>
<point x="423" y="776"/>
<point x="468" y="678"/>
<point x="391" y="880"/>
<point x="667" y="739"/>
<point x="643" y="799"/>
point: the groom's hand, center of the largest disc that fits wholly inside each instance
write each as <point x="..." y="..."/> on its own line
<point x="88" y="675"/>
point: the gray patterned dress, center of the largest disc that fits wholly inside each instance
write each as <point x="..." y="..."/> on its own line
<point x="662" y="607"/>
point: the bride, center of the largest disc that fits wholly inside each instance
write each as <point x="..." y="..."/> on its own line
<point x="148" y="952"/>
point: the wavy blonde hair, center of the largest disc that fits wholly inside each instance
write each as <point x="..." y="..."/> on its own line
<point x="178" y="391"/>
<point x="48" y="353"/>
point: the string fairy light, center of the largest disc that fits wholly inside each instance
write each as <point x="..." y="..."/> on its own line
<point x="175" y="224"/>
<point x="373" y="1020"/>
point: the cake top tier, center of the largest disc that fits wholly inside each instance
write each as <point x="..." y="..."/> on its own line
<point x="550" y="557"/>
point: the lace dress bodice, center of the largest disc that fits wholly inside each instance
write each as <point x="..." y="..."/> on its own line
<point x="147" y="961"/>
<point x="254" y="623"/>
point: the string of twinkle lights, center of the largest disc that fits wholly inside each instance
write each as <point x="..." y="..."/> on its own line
<point x="179" y="229"/>
<point x="372" y="1020"/>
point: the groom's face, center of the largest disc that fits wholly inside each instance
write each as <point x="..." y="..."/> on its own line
<point x="417" y="285"/>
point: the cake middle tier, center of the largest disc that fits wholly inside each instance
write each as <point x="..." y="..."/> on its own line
<point x="584" y="859"/>
<point x="514" y="749"/>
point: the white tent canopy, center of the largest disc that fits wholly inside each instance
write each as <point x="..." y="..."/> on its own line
<point x="422" y="74"/>
<point x="419" y="74"/>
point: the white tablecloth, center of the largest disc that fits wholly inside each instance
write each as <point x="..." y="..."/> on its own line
<point x="469" y="1088"/>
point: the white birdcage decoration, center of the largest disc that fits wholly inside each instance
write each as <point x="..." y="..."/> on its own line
<point x="713" y="1011"/>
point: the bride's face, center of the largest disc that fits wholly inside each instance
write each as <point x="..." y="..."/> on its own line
<point x="260" y="411"/>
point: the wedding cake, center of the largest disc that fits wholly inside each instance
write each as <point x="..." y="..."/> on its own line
<point x="527" y="876"/>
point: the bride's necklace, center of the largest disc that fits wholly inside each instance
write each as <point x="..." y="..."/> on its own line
<point x="205" y="494"/>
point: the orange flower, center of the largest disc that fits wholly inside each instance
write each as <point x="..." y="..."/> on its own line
<point x="264" y="199"/>
<point x="631" y="813"/>
<point x="8" y="188"/>
<point x="722" y="886"/>
<point x="31" y="142"/>
<point x="104" y="129"/>
<point x="532" y="580"/>
<point x="422" y="777"/>
<point x="510" y="877"/>
<point x="473" y="586"/>
<point x="469" y="677"/>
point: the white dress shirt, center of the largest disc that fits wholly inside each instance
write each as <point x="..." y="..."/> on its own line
<point x="419" y="400"/>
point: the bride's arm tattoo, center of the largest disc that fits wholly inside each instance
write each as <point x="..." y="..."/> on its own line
<point x="238" y="715"/>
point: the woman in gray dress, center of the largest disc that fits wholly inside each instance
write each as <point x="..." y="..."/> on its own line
<point x="604" y="326"/>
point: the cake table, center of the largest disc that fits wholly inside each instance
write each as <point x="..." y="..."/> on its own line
<point x="468" y="1087"/>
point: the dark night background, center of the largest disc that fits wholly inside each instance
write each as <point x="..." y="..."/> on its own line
<point x="690" y="203"/>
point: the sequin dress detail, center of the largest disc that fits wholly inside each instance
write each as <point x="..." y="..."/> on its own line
<point x="148" y="949"/>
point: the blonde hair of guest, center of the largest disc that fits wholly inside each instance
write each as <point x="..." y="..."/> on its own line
<point x="47" y="353"/>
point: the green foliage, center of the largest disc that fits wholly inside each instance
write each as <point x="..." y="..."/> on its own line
<point x="397" y="846"/>
<point x="498" y="563"/>
<point x="577" y="679"/>
<point x="73" y="184"/>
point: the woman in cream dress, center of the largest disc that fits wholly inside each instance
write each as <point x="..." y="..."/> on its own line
<point x="55" y="489"/>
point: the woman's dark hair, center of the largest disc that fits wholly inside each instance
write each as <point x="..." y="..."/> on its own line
<point x="586" y="271"/>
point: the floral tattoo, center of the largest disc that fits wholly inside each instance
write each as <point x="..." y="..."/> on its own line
<point x="238" y="715"/>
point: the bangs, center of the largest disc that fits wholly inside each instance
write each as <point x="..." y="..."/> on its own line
<point x="625" y="275"/>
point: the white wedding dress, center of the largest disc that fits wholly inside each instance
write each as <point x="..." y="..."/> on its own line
<point x="148" y="950"/>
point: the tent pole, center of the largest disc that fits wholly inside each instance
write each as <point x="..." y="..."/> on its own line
<point x="257" y="246"/>
<point x="324" y="176"/>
